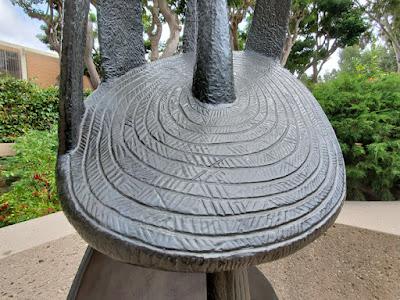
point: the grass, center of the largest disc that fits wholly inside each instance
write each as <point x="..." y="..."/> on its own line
<point x="34" y="193"/>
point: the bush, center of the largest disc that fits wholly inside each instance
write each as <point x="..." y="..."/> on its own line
<point x="25" y="106"/>
<point x="34" y="194"/>
<point x="364" y="109"/>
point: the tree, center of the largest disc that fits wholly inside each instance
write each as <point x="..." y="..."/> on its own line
<point x="153" y="28"/>
<point x="376" y="58"/>
<point x="299" y="10"/>
<point x="156" y="13"/>
<point x="52" y="18"/>
<point x="89" y="62"/>
<point x="317" y="29"/>
<point x="238" y="9"/>
<point x="386" y="15"/>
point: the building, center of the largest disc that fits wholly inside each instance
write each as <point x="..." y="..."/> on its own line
<point x="31" y="64"/>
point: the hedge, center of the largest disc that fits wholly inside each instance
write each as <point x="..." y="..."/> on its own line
<point x="364" y="109"/>
<point x="25" y="106"/>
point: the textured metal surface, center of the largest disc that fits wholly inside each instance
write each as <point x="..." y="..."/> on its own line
<point x="162" y="180"/>
<point x="120" y="36"/>
<point x="268" y="29"/>
<point x="71" y="107"/>
<point x="190" y="30"/>
<point x="230" y="285"/>
<point x="102" y="278"/>
<point x="213" y="75"/>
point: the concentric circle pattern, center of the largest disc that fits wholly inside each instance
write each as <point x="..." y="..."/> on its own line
<point x="159" y="178"/>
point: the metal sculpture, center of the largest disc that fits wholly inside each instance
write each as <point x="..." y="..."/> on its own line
<point x="207" y="162"/>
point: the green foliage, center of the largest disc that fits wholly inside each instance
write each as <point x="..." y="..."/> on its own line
<point x="326" y="26"/>
<point x="364" y="109"/>
<point x="34" y="194"/>
<point x="352" y="59"/>
<point x="25" y="106"/>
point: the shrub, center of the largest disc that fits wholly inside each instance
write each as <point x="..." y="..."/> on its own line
<point x="364" y="109"/>
<point x="34" y="194"/>
<point x="25" y="106"/>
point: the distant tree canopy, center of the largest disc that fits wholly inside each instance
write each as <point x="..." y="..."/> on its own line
<point x="385" y="14"/>
<point x="50" y="12"/>
<point x="323" y="26"/>
<point x="353" y="59"/>
<point x="317" y="28"/>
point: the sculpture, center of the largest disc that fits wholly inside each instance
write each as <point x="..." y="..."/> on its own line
<point x="220" y="162"/>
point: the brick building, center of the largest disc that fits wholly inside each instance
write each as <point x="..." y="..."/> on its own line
<point x="31" y="64"/>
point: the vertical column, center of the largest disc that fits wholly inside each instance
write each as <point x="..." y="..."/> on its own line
<point x="190" y="31"/>
<point x="71" y="106"/>
<point x="120" y="36"/>
<point x="213" y="74"/>
<point x="232" y="285"/>
<point x="24" y="69"/>
<point x="269" y="27"/>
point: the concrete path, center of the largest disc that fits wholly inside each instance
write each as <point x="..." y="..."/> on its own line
<point x="373" y="215"/>
<point x="29" y="234"/>
<point x="345" y="263"/>
<point x="6" y="149"/>
<point x="377" y="216"/>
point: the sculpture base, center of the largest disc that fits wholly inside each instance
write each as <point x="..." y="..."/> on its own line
<point x="100" y="277"/>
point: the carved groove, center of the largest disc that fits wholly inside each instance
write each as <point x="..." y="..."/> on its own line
<point x="161" y="180"/>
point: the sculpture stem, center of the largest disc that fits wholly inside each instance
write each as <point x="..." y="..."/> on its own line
<point x="269" y="27"/>
<point x="190" y="31"/>
<point x="120" y="36"/>
<point x="71" y="108"/>
<point x="231" y="285"/>
<point x="213" y="72"/>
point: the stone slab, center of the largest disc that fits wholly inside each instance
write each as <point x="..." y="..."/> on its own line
<point x="29" y="234"/>
<point x="373" y="215"/>
<point x="6" y="149"/>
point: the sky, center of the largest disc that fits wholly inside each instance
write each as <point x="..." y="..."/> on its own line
<point x="17" y="28"/>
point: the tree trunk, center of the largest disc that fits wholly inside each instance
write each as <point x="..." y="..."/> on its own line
<point x="154" y="37"/>
<point x="315" y="71"/>
<point x="155" y="53"/>
<point x="174" y="28"/>
<point x="234" y="36"/>
<point x="91" y="67"/>
<point x="287" y="49"/>
<point x="396" y="48"/>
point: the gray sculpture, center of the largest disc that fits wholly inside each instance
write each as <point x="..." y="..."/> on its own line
<point x="207" y="162"/>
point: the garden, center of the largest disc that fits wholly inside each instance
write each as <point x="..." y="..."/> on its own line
<point x="361" y="97"/>
<point x="361" y="100"/>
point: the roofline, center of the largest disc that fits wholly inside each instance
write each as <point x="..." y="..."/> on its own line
<point x="27" y="49"/>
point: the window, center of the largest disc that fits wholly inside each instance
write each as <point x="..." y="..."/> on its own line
<point x="10" y="63"/>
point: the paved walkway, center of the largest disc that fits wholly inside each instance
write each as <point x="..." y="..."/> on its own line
<point x="26" y="235"/>
<point x="378" y="216"/>
<point x="345" y="263"/>
<point x="372" y="215"/>
<point x="6" y="149"/>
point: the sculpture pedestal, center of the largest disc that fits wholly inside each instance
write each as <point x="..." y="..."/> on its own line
<point x="100" y="277"/>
